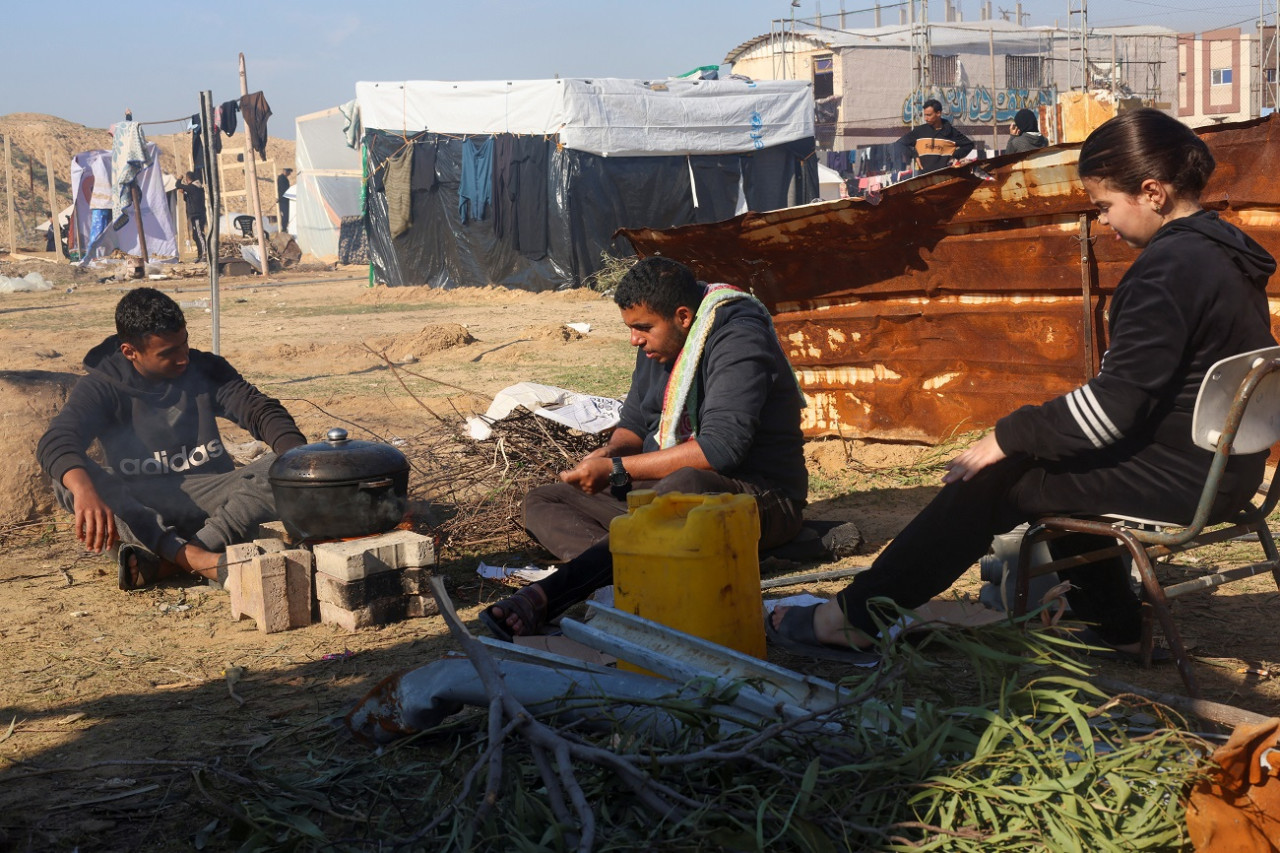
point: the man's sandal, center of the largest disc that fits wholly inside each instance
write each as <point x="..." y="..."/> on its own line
<point x="145" y="563"/>
<point x="530" y="606"/>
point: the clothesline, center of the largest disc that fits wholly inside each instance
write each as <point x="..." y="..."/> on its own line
<point x="168" y="120"/>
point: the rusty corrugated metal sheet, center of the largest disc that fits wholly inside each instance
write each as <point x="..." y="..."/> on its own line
<point x="955" y="299"/>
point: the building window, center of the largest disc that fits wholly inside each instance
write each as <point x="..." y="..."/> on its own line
<point x="823" y="77"/>
<point x="1220" y="77"/>
<point x="1271" y="75"/>
<point x="944" y="70"/>
<point x="1025" y="72"/>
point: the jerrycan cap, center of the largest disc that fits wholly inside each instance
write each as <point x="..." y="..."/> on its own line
<point x="637" y="498"/>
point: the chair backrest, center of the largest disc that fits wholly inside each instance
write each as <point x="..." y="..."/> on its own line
<point x="245" y="224"/>
<point x="1260" y="428"/>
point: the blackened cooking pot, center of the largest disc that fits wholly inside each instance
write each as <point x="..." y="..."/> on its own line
<point x="340" y="488"/>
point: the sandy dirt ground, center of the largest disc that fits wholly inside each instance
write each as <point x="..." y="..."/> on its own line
<point x="109" y="700"/>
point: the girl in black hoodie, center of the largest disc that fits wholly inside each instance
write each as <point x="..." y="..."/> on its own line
<point x="1119" y="444"/>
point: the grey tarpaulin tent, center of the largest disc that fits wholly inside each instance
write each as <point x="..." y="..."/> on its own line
<point x="523" y="183"/>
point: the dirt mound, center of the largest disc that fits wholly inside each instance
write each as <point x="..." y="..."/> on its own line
<point x="434" y="338"/>
<point x="28" y="399"/>
<point x="320" y="353"/>
<point x="558" y="333"/>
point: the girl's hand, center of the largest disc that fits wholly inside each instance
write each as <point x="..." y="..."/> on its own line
<point x="972" y="460"/>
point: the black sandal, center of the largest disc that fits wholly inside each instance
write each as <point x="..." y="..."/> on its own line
<point x="532" y="613"/>
<point x="145" y="563"/>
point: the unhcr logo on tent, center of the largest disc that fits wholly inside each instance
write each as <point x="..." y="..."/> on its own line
<point x="757" y="130"/>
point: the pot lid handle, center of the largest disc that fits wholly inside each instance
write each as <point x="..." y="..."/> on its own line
<point x="336" y="435"/>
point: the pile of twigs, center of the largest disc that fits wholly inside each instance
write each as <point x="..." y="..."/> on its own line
<point x="475" y="487"/>
<point x="1031" y="757"/>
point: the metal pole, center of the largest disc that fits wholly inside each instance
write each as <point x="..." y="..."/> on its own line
<point x="251" y="178"/>
<point x="995" y="121"/>
<point x="212" y="191"/>
<point x="1086" y="297"/>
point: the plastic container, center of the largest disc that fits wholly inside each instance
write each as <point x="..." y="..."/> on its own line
<point x="691" y="562"/>
<point x="999" y="571"/>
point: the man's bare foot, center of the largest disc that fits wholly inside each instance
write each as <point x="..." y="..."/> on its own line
<point x="518" y="615"/>
<point x="198" y="561"/>
<point x="830" y="627"/>
<point x="143" y="567"/>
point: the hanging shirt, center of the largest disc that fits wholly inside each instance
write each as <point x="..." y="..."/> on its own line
<point x="256" y="111"/>
<point x="227" y="116"/>
<point x="396" y="180"/>
<point x="128" y="157"/>
<point x="476" y="185"/>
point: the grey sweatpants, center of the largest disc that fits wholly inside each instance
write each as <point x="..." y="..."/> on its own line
<point x="211" y="510"/>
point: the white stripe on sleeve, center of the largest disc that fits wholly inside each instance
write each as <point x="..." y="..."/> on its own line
<point x="1108" y="427"/>
<point x="1082" y="420"/>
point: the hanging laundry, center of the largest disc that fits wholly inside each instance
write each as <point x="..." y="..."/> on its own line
<point x="397" y="176"/>
<point x="227" y="116"/>
<point x="475" y="187"/>
<point x="128" y="157"/>
<point x="197" y="146"/>
<point x="424" y="165"/>
<point x="351" y="126"/>
<point x="520" y="192"/>
<point x="256" y="111"/>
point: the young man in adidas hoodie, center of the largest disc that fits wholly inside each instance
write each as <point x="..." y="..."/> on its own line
<point x="169" y="490"/>
<point x="1119" y="444"/>
<point x="734" y="428"/>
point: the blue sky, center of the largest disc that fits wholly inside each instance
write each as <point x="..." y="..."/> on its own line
<point x="87" y="62"/>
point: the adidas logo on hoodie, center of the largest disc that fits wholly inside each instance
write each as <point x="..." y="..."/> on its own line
<point x="162" y="462"/>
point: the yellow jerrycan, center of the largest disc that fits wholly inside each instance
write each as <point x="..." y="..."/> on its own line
<point x="690" y="562"/>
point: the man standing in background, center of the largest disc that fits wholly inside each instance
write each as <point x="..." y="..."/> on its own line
<point x="194" y="195"/>
<point x="935" y="144"/>
<point x="282" y="187"/>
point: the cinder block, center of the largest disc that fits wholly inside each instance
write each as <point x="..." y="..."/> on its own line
<point x="275" y="530"/>
<point x="415" y="550"/>
<point x="298" y="572"/>
<point x="359" y="558"/>
<point x="419" y="606"/>
<point x="268" y="546"/>
<point x="264" y="592"/>
<point x="352" y="595"/>
<point x="237" y="557"/>
<point x="416" y="581"/>
<point x="380" y="611"/>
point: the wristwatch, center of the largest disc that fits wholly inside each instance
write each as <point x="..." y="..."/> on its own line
<point x="619" y="480"/>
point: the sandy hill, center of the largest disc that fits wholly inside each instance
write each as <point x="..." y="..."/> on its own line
<point x="35" y="138"/>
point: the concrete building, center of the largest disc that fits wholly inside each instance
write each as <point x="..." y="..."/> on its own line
<point x="1218" y="79"/>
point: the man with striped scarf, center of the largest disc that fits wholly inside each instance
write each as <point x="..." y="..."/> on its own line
<point x="713" y="407"/>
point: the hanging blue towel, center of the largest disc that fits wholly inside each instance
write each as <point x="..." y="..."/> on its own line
<point x="475" y="186"/>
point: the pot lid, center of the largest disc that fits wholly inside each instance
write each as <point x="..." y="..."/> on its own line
<point x="337" y="459"/>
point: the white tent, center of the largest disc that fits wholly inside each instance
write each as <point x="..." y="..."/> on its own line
<point x="328" y="185"/>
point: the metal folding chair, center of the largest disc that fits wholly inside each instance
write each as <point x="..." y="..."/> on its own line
<point x="1237" y="411"/>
